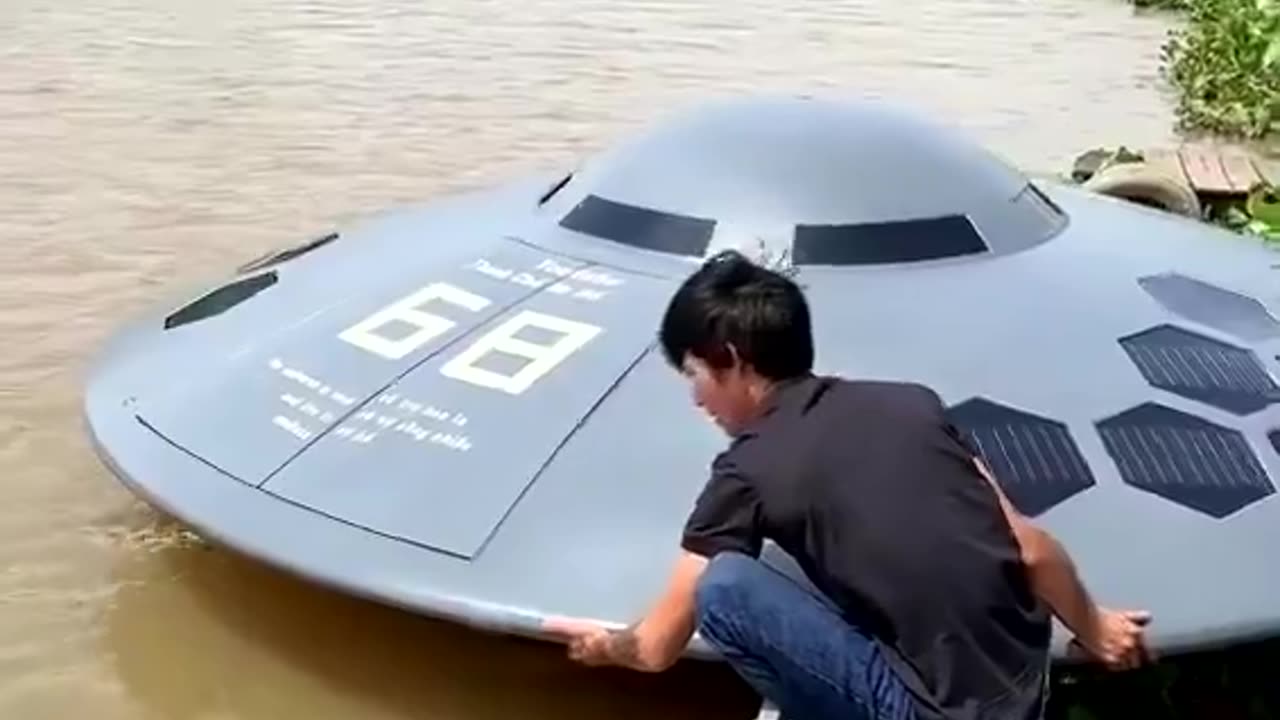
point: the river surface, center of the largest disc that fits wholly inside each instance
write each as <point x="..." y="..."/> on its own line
<point x="150" y="142"/>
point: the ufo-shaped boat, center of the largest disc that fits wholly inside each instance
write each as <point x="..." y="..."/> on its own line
<point x="460" y="408"/>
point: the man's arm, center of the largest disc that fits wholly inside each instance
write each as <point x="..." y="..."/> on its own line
<point x="1115" y="637"/>
<point x="1052" y="572"/>
<point x="726" y="516"/>
<point x="655" y="642"/>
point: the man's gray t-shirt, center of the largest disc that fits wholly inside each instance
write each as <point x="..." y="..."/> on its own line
<point x="873" y="492"/>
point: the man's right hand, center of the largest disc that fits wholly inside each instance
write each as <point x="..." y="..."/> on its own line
<point x="1117" y="638"/>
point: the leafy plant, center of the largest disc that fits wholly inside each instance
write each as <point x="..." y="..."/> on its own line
<point x="1226" y="65"/>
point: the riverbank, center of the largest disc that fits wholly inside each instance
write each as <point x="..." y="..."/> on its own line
<point x="1224" y="66"/>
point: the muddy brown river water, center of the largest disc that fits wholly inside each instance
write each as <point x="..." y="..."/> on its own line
<point x="144" y="143"/>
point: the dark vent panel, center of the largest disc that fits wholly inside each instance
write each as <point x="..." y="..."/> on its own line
<point x="1185" y="459"/>
<point x="640" y="227"/>
<point x="1274" y="437"/>
<point x="1034" y="459"/>
<point x="221" y="300"/>
<point x="1213" y="306"/>
<point x="887" y="242"/>
<point x="1202" y="369"/>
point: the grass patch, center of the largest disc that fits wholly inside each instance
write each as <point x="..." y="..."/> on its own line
<point x="1237" y="684"/>
<point x="1225" y="65"/>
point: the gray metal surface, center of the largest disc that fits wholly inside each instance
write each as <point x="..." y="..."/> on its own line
<point x="459" y="409"/>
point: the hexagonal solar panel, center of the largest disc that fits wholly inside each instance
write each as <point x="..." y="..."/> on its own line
<point x="1185" y="459"/>
<point x="1034" y="458"/>
<point x="1201" y="368"/>
<point x="1219" y="308"/>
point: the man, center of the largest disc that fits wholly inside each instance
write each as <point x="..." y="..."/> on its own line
<point x="933" y="595"/>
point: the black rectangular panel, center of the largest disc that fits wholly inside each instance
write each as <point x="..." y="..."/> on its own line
<point x="640" y="227"/>
<point x="887" y="242"/>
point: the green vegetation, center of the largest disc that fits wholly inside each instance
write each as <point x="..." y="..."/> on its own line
<point x="1259" y="215"/>
<point x="1225" y="65"/>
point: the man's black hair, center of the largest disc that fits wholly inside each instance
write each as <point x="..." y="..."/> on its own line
<point x="730" y="300"/>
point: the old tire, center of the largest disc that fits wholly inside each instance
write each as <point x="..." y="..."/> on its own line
<point x="1143" y="184"/>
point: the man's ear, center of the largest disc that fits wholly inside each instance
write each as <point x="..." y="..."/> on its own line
<point x="735" y="360"/>
<point x="738" y="366"/>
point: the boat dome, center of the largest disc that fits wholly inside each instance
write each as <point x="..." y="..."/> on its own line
<point x="850" y="181"/>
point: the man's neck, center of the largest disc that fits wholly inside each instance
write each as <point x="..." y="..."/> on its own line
<point x="765" y="391"/>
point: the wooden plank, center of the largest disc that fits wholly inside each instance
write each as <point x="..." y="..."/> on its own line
<point x="1204" y="170"/>
<point x="1237" y="165"/>
<point x="1268" y="168"/>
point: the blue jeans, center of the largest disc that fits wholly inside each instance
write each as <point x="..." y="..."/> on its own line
<point x="793" y="647"/>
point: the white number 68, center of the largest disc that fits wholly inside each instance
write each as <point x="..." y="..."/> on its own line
<point x="366" y="335"/>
